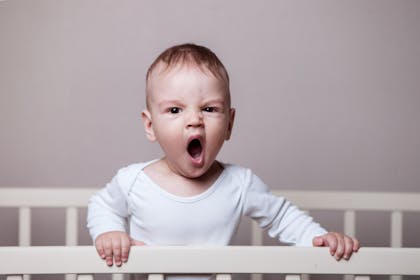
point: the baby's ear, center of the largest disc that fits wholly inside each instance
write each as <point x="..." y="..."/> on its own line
<point x="231" y="121"/>
<point x="147" y="122"/>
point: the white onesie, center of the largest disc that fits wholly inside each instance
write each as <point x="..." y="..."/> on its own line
<point x="133" y="203"/>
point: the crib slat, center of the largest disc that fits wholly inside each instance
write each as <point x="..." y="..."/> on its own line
<point x="305" y="276"/>
<point x="349" y="229"/>
<point x="256" y="276"/>
<point x="85" y="277"/>
<point x="256" y="234"/>
<point x="362" y="277"/>
<point x="25" y="230"/>
<point x="396" y="234"/>
<point x="256" y="240"/>
<point x="71" y="226"/>
<point x="117" y="276"/>
<point x="155" y="277"/>
<point x="14" y="277"/>
<point x="223" y="277"/>
<point x="71" y="235"/>
<point x="24" y="226"/>
<point x="396" y="228"/>
<point x="350" y="222"/>
<point x="292" y="277"/>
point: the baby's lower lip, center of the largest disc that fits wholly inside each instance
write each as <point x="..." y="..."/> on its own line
<point x="198" y="160"/>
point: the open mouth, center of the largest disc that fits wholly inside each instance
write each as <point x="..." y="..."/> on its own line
<point x="194" y="148"/>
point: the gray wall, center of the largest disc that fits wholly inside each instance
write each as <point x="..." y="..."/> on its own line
<point x="326" y="92"/>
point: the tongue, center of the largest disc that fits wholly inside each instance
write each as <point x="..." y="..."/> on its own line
<point x="194" y="148"/>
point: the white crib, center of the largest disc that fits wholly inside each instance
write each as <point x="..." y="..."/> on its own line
<point x="82" y="262"/>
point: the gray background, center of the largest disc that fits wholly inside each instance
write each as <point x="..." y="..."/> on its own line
<point x="326" y="93"/>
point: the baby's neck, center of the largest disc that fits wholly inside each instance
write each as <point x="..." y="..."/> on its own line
<point x="161" y="174"/>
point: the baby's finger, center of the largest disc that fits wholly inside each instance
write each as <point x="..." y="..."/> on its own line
<point x="116" y="250"/>
<point x="107" y="244"/>
<point x="318" y="241"/>
<point x="348" y="250"/>
<point x="340" y="246"/>
<point x="100" y="248"/>
<point x="331" y="242"/>
<point x="137" y="243"/>
<point x="356" y="245"/>
<point x="125" y="248"/>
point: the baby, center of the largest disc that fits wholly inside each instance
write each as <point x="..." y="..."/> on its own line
<point x="188" y="197"/>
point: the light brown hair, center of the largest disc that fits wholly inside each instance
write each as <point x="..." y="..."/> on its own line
<point x="190" y="55"/>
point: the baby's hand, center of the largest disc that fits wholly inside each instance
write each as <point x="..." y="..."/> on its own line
<point x="114" y="246"/>
<point x="340" y="244"/>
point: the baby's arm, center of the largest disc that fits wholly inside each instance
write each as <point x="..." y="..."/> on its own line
<point x="341" y="245"/>
<point x="107" y="218"/>
<point x="284" y="220"/>
<point x="114" y="246"/>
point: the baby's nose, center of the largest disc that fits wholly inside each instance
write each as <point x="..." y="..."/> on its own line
<point x="195" y="118"/>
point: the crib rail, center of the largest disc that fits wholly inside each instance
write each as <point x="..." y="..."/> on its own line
<point x="156" y="261"/>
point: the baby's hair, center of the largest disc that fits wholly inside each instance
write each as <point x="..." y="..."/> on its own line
<point x="190" y="55"/>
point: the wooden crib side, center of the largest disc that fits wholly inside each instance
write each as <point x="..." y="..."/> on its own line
<point x="74" y="198"/>
<point x="156" y="261"/>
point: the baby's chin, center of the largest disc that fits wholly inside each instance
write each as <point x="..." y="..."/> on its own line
<point x="202" y="172"/>
<point x="196" y="174"/>
<point x="214" y="169"/>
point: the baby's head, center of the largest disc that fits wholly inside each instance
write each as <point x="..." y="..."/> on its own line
<point x="190" y="56"/>
<point x="188" y="108"/>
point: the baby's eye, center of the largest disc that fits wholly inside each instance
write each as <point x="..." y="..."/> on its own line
<point x="174" y="110"/>
<point x="210" y="109"/>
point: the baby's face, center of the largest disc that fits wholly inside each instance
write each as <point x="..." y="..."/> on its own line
<point x="190" y="116"/>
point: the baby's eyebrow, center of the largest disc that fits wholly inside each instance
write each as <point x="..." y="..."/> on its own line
<point x="220" y="102"/>
<point x="167" y="103"/>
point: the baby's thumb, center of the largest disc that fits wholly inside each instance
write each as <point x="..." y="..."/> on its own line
<point x="137" y="243"/>
<point x="318" y="241"/>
